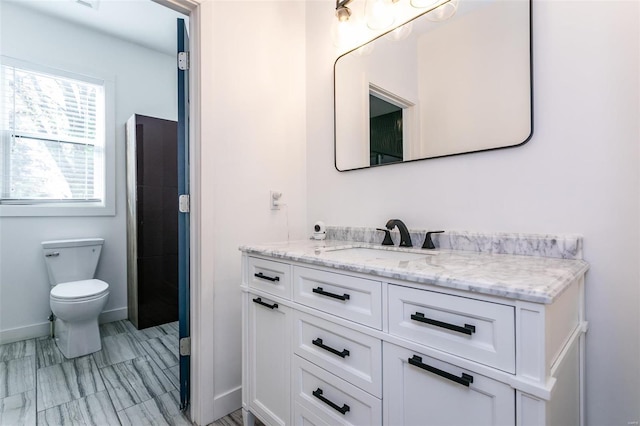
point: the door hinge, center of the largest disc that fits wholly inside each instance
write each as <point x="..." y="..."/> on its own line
<point x="183" y="203"/>
<point x="185" y="346"/>
<point x="183" y="61"/>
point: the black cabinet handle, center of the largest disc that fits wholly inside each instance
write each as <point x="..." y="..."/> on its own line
<point x="467" y="329"/>
<point x="319" y="290"/>
<point x="318" y="342"/>
<point x="464" y="380"/>
<point x="259" y="301"/>
<point x="342" y="410"/>
<point x="264" y="277"/>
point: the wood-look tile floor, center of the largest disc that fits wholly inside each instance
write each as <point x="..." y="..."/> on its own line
<point x="133" y="380"/>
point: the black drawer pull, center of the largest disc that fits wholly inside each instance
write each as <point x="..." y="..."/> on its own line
<point x="318" y="342"/>
<point x="264" y="277"/>
<point x="319" y="290"/>
<point x="259" y="301"/>
<point x="318" y="394"/>
<point x="464" y="380"/>
<point x="467" y="329"/>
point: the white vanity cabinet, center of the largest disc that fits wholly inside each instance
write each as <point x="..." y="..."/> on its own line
<point x="267" y="331"/>
<point x="330" y="346"/>
<point x="270" y="361"/>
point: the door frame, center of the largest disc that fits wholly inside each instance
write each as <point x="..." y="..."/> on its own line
<point x="201" y="410"/>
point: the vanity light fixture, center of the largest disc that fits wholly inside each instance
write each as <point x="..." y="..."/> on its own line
<point x="343" y="13"/>
<point x="380" y="14"/>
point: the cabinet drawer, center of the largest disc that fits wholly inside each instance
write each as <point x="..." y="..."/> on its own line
<point x="355" y="299"/>
<point x="272" y="277"/>
<point x="419" y="390"/>
<point x="331" y="399"/>
<point x="351" y="355"/>
<point x="477" y="330"/>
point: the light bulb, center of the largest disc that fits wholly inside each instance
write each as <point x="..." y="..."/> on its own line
<point x="379" y="13"/>
<point x="343" y="13"/>
<point x="344" y="34"/>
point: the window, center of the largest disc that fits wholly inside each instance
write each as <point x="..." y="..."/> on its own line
<point x="53" y="147"/>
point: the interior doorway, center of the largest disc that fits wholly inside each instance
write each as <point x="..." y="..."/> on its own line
<point x="113" y="265"/>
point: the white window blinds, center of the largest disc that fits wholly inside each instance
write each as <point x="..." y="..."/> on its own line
<point x="52" y="138"/>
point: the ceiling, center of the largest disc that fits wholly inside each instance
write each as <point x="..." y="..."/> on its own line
<point x="138" y="21"/>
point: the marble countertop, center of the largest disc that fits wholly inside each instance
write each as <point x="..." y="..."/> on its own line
<point x="528" y="278"/>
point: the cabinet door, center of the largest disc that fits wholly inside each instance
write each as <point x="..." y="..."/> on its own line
<point x="269" y="360"/>
<point x="419" y="390"/>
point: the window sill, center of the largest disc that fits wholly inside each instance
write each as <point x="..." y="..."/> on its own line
<point x="62" y="209"/>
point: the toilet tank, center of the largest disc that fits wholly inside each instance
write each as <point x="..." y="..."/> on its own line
<point x="71" y="260"/>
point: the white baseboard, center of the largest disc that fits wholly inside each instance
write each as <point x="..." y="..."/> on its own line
<point x="113" y="315"/>
<point x="42" y="329"/>
<point x="227" y="403"/>
<point x="23" y="333"/>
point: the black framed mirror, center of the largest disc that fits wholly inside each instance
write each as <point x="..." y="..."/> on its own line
<point x="452" y="87"/>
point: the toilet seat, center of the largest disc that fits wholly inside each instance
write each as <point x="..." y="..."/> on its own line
<point x="78" y="291"/>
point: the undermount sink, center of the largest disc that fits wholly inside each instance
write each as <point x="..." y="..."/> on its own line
<point x="373" y="253"/>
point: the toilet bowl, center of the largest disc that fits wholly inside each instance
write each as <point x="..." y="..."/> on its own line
<point x="76" y="306"/>
<point x="76" y="299"/>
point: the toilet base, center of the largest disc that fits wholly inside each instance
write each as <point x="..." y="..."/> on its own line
<point x="75" y="339"/>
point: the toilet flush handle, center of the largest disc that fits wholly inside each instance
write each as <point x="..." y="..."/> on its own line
<point x="54" y="254"/>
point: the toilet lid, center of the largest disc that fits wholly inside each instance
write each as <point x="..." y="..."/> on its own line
<point x="79" y="289"/>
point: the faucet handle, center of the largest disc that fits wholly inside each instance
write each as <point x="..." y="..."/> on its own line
<point x="428" y="243"/>
<point x="387" y="237"/>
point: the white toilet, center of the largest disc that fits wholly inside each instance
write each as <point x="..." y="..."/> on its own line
<point x="76" y="298"/>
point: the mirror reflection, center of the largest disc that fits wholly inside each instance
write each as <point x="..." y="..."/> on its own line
<point x="385" y="131"/>
<point x="432" y="89"/>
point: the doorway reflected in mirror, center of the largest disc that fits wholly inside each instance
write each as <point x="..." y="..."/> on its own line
<point x="385" y="131"/>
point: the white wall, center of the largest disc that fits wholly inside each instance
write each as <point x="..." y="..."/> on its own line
<point x="578" y="174"/>
<point x="145" y="83"/>
<point x="253" y="140"/>
<point x="492" y="99"/>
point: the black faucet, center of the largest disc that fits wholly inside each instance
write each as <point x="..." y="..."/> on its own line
<point x="428" y="242"/>
<point x="405" y="238"/>
<point x="387" y="237"/>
